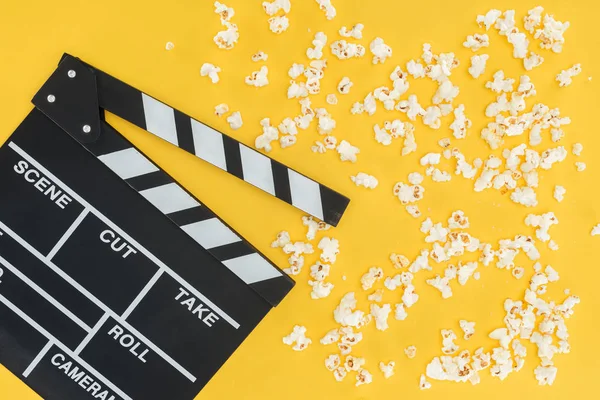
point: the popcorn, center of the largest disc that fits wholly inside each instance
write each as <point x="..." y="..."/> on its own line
<point x="279" y="24"/>
<point x="369" y="104"/>
<point x="430" y="159"/>
<point x="458" y="220"/>
<point x="551" y="35"/>
<point x="543" y="223"/>
<point x="559" y="193"/>
<point x="580" y="166"/>
<point x="344" y="50"/>
<point x="400" y="312"/>
<point x="565" y="76"/>
<point x="545" y="375"/>
<point x="344" y="85"/>
<point x="410" y="352"/>
<point x="415" y="178"/>
<point x="532" y="60"/>
<point x="169" y="46"/>
<point x="258" y="78"/>
<point x="298" y="248"/>
<point x="221" y="109"/>
<point x="477" y="41"/>
<point x="410" y="145"/>
<point x="328" y="8"/>
<point x="331" y="99"/>
<point x="235" y="120"/>
<point x="344" y="313"/>
<point x="357" y="108"/>
<point x="577" y="149"/>
<point x="320" y="289"/>
<point x="275" y="6"/>
<point x="596" y="230"/>
<point x="460" y="124"/>
<point x="446" y="92"/>
<point x="380" y="50"/>
<point x="330" y="337"/>
<point x="478" y="63"/>
<point x="319" y="42"/>
<point x="381" y="136"/>
<point x="270" y="133"/>
<point x="414" y="211"/>
<point x="329" y="249"/>
<point x="499" y="84"/>
<point x="552" y="245"/>
<point x="326" y="123"/>
<point x="296" y="90"/>
<point x="431" y="118"/>
<point x="506" y="23"/>
<point x="488" y="20"/>
<point x="319" y="271"/>
<point x="411" y="107"/>
<point x="420" y="263"/>
<point x="373" y="275"/>
<point x="347" y="152"/>
<point x="282" y="239"/>
<point x="387" y="369"/>
<point x="399" y="261"/>
<point x="297" y="338"/>
<point x="520" y="44"/>
<point x="423" y="384"/>
<point x="533" y="19"/>
<point x="340" y="374"/>
<point x="441" y="284"/>
<point x="466" y="271"/>
<point x="296" y="70"/>
<point x="211" y="71"/>
<point x="333" y="362"/>
<point x="363" y="377"/>
<point x="362" y="179"/>
<point x="313" y="227"/>
<point x="448" y="345"/>
<point x="551" y="156"/>
<point x="468" y="328"/>
<point x="518" y="272"/>
<point x="228" y="38"/>
<point x="376" y="296"/>
<point x="408" y="194"/>
<point x="354" y="363"/>
<point x="380" y="314"/>
<point x="355" y="32"/>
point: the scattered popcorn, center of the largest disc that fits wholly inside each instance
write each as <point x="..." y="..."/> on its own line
<point x="399" y="261"/>
<point x="376" y="296"/>
<point x="333" y="362"/>
<point x="415" y="178"/>
<point x="235" y="120"/>
<point x="465" y="271"/>
<point x="525" y="196"/>
<point x="347" y="152"/>
<point x="260" y="56"/>
<point x="345" y="313"/>
<point x="559" y="193"/>
<point x="551" y="35"/>
<point x="423" y="384"/>
<point x="468" y="328"/>
<point x="543" y="223"/>
<point x="272" y="8"/>
<point x="373" y="275"/>
<point x="458" y="220"/>
<point x="499" y="84"/>
<point x="362" y="179"/>
<point x="169" y="46"/>
<point x="354" y="363"/>
<point x="441" y="284"/>
<point x="410" y="352"/>
<point x="331" y="99"/>
<point x="319" y="271"/>
<point x="363" y="377"/>
<point x="380" y="51"/>
<point x="380" y="315"/>
<point x="478" y="63"/>
<point x="520" y="43"/>
<point x="580" y="166"/>
<point x="313" y="227"/>
<point x="565" y="76"/>
<point x="296" y="70"/>
<point x="477" y="41"/>
<point x="282" y="239"/>
<point x="330" y="248"/>
<point x="459" y="126"/>
<point x="319" y="43"/>
<point x="518" y="272"/>
<point x="328" y="8"/>
<point x="344" y="85"/>
<point x="488" y="20"/>
<point x="552" y="245"/>
<point x="532" y="60"/>
<point x="270" y="134"/>
<point x="211" y="71"/>
<point x="413" y="210"/>
<point x="577" y="149"/>
<point x="320" y="289"/>
<point x="297" y="338"/>
<point x="355" y="32"/>
<point x="221" y="109"/>
<point x="387" y="369"/>
<point x="228" y="38"/>
<point x="446" y="92"/>
<point x="533" y="19"/>
<point x="596" y="230"/>
<point x="408" y="193"/>
<point x="344" y="50"/>
<point x="545" y="375"/>
<point x="431" y="118"/>
<point x="258" y="78"/>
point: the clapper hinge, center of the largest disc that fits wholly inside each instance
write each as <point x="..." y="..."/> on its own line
<point x="70" y="99"/>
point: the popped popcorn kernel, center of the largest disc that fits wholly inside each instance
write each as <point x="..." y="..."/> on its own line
<point x="297" y="338"/>
<point x="410" y="352"/>
<point x="340" y="374"/>
<point x="376" y="296"/>
<point x="258" y="78"/>
<point x="478" y="64"/>
<point x="366" y="180"/>
<point x="331" y="99"/>
<point x="533" y="19"/>
<point x="399" y="261"/>
<point x="211" y="71"/>
<point x="577" y="149"/>
<point x="319" y="42"/>
<point x="545" y="375"/>
<point x="355" y="32"/>
<point x="532" y="61"/>
<point x="423" y="384"/>
<point x="489" y="19"/>
<point x="169" y="46"/>
<point x="313" y="226"/>
<point x="559" y="193"/>
<point x="468" y="328"/>
<point x="329" y="249"/>
<point x="320" y="289"/>
<point x="380" y="51"/>
<point x="270" y="134"/>
<point x="500" y="84"/>
<point x="347" y="152"/>
<point x="279" y="24"/>
<point x="260" y="56"/>
<point x="333" y="362"/>
<point x="363" y="377"/>
<point x="328" y="8"/>
<point x="477" y="41"/>
<point x="380" y="315"/>
<point x="565" y="77"/>
<point x="330" y="337"/>
<point x="221" y="109"/>
<point x="448" y="338"/>
<point x="596" y="230"/>
<point x="281" y="240"/>
<point x="272" y="8"/>
<point x="387" y="369"/>
<point x="235" y="120"/>
<point x="551" y="35"/>
<point x="354" y="363"/>
<point x="373" y="275"/>
<point x="580" y="166"/>
<point x="344" y="85"/>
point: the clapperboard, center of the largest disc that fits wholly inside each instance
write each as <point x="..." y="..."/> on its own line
<point x="116" y="283"/>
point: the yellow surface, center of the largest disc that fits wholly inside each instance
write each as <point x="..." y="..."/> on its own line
<point x="127" y="39"/>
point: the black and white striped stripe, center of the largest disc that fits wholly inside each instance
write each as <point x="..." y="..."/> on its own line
<point x="199" y="222"/>
<point x="220" y="150"/>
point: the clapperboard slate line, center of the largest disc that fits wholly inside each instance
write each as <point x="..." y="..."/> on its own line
<point x="107" y="291"/>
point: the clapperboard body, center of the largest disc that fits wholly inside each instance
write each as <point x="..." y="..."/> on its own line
<point x="115" y="282"/>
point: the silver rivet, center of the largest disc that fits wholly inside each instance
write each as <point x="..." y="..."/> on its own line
<point x="87" y="129"/>
<point x="71" y="73"/>
<point x="51" y="98"/>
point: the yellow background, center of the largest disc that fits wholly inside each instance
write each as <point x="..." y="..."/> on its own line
<point x="127" y="39"/>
